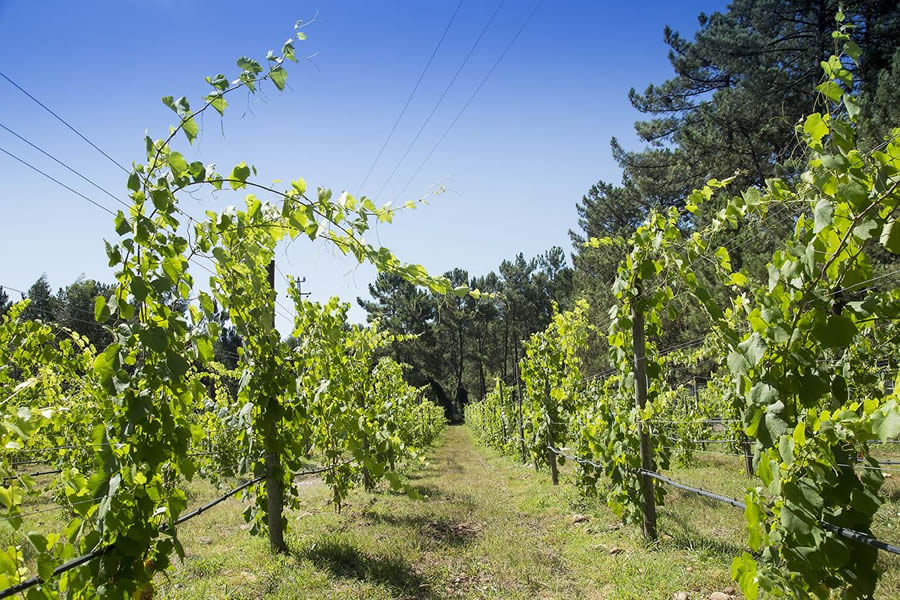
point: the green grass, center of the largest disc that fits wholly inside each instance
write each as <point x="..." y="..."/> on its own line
<point x="485" y="527"/>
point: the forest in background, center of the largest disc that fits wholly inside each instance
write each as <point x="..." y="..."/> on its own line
<point x="740" y="87"/>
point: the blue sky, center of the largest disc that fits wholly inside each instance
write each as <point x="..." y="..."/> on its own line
<point x="530" y="144"/>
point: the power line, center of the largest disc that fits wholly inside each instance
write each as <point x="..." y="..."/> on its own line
<point x="70" y="306"/>
<point x="64" y="122"/>
<point x="283" y="276"/>
<point x="50" y="177"/>
<point x="472" y="97"/>
<point x="95" y="203"/>
<point x="76" y="308"/>
<point x="50" y="156"/>
<point x="441" y="99"/>
<point x="409" y="99"/>
<point x="83" y="137"/>
<point x="6" y="287"/>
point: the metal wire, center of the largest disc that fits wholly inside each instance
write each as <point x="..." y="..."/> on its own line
<point x="851" y="534"/>
<point x="77" y="562"/>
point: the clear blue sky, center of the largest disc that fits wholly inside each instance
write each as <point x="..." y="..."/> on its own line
<point x="533" y="140"/>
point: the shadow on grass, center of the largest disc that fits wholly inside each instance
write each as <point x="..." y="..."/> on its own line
<point x="426" y="491"/>
<point x="446" y="464"/>
<point x="429" y="492"/>
<point x="344" y="560"/>
<point x="686" y="536"/>
<point x="434" y="469"/>
<point x="891" y="494"/>
<point x="448" y="532"/>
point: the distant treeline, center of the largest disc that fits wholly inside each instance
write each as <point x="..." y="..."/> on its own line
<point x="739" y="89"/>
<point x="72" y="307"/>
<point x="463" y="343"/>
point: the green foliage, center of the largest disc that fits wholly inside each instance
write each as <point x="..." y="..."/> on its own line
<point x="461" y="343"/>
<point x="728" y="111"/>
<point x="794" y="352"/>
<point x="790" y="367"/>
<point x="550" y="372"/>
<point x="5" y="302"/>
<point x="151" y="409"/>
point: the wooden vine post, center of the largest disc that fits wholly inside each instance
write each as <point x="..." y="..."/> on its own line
<point x="274" y="491"/>
<point x="748" y="455"/>
<point x="551" y="454"/>
<point x="503" y="412"/>
<point x="368" y="483"/>
<point x="519" y="415"/>
<point x="640" y="399"/>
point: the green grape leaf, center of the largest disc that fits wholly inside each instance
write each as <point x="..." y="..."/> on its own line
<point x="823" y="213"/>
<point x="177" y="365"/>
<point x="239" y="175"/>
<point x="890" y="237"/>
<point x="278" y="76"/>
<point x="155" y="338"/>
<point x="743" y="570"/>
<point x="106" y="363"/>
<point x="249" y="65"/>
<point x="204" y="349"/>
<point x="101" y="310"/>
<point x="177" y="163"/>
<point x="815" y="127"/>
<point x="838" y="331"/>
<point x="191" y="129"/>
<point x="218" y="102"/>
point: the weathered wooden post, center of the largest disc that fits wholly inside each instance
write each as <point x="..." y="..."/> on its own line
<point x="274" y="491"/>
<point x="640" y="399"/>
<point x="748" y="455"/>
<point x="551" y="455"/>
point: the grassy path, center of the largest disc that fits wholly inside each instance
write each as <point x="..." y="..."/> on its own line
<point x="485" y="527"/>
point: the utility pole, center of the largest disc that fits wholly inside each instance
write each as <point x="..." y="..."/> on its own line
<point x="640" y="399"/>
<point x="300" y="287"/>
<point x="274" y="491"/>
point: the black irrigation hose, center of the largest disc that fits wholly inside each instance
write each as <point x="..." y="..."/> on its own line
<point x="701" y="492"/>
<point x="85" y="558"/>
<point x="36" y="474"/>
<point x="205" y="507"/>
<point x="36" y="580"/>
<point x="68" y="447"/>
<point x="77" y="562"/>
<point x="29" y="462"/>
<point x="850" y="534"/>
<point x="325" y="468"/>
<point x="861" y="537"/>
<point x="683" y="441"/>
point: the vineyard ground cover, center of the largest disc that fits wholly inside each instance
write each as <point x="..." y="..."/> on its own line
<point x="486" y="527"/>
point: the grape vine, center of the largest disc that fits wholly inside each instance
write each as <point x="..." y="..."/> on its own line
<point x="797" y="391"/>
<point x="130" y="424"/>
